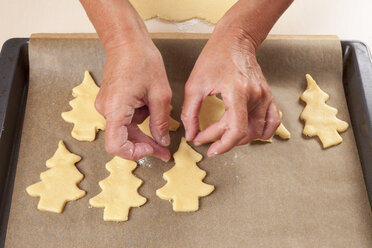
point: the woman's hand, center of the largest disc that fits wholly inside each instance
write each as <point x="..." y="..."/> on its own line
<point x="228" y="65"/>
<point x="135" y="85"/>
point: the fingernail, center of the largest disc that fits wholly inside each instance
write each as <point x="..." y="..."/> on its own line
<point x="165" y="140"/>
<point x="197" y="143"/>
<point x="212" y="154"/>
<point x="166" y="159"/>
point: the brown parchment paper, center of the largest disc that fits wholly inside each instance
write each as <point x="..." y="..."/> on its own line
<point x="285" y="194"/>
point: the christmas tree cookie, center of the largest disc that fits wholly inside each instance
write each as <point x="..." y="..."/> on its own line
<point x="185" y="180"/>
<point x="58" y="185"/>
<point x="320" y="119"/>
<point x="119" y="190"/>
<point x="84" y="115"/>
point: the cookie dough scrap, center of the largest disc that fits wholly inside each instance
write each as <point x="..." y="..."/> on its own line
<point x="282" y="131"/>
<point x="119" y="191"/>
<point x="84" y="115"/>
<point x="58" y="185"/>
<point x="185" y="180"/>
<point x="145" y="125"/>
<point x="320" y="119"/>
<point x="182" y="10"/>
<point x="212" y="110"/>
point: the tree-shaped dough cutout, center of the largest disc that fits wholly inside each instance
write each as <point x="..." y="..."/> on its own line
<point x="320" y="119"/>
<point x="119" y="190"/>
<point x="84" y="115"/>
<point x="185" y="183"/>
<point x="145" y="125"/>
<point x="58" y="184"/>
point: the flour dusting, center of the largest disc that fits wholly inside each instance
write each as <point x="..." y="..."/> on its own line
<point x="145" y="162"/>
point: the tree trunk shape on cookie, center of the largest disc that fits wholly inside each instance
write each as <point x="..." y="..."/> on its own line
<point x="58" y="185"/>
<point x="320" y="119"/>
<point x="119" y="190"/>
<point x="84" y="115"/>
<point x="185" y="180"/>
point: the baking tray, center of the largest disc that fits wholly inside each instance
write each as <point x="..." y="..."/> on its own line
<point x="14" y="70"/>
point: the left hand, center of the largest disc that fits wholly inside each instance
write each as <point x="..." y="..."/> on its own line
<point x="228" y="65"/>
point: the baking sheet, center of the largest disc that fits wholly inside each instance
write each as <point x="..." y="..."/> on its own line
<point x="285" y="194"/>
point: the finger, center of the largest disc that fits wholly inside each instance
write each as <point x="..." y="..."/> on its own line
<point x="136" y="136"/>
<point x="190" y="111"/>
<point x="159" y="115"/>
<point x="212" y="133"/>
<point x="228" y="140"/>
<point x="272" y="121"/>
<point x="256" y="120"/>
<point x="117" y="143"/>
<point x="251" y="135"/>
<point x="237" y="124"/>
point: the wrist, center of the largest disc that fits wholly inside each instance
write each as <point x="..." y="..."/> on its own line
<point x="235" y="35"/>
<point x="124" y="37"/>
<point x="116" y="21"/>
<point x="251" y="21"/>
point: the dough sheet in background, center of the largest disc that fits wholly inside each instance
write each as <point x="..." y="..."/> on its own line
<point x="285" y="194"/>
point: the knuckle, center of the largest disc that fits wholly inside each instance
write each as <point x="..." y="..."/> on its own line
<point x="167" y="96"/>
<point x="188" y="119"/>
<point x="268" y="95"/>
<point x="239" y="133"/>
<point x="160" y="125"/>
<point x="266" y="92"/>
<point x="255" y="93"/>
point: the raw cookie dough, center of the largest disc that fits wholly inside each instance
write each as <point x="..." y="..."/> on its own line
<point x="58" y="184"/>
<point x="185" y="180"/>
<point x="84" y="115"/>
<point x="282" y="131"/>
<point x="182" y="10"/>
<point x="145" y="125"/>
<point x="320" y="119"/>
<point x="119" y="190"/>
<point x="212" y="110"/>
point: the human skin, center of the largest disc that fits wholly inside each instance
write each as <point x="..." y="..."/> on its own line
<point x="135" y="83"/>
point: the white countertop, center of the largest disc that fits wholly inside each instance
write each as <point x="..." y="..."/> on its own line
<point x="345" y="18"/>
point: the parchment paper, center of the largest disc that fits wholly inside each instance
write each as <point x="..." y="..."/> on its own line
<point x="285" y="194"/>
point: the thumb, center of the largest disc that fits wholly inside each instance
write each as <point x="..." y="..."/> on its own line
<point x="190" y="112"/>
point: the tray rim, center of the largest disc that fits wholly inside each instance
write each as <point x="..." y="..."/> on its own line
<point x="11" y="55"/>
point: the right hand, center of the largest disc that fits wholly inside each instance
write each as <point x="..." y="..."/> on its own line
<point x="135" y="85"/>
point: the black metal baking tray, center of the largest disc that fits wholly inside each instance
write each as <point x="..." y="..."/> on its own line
<point x="14" y="71"/>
